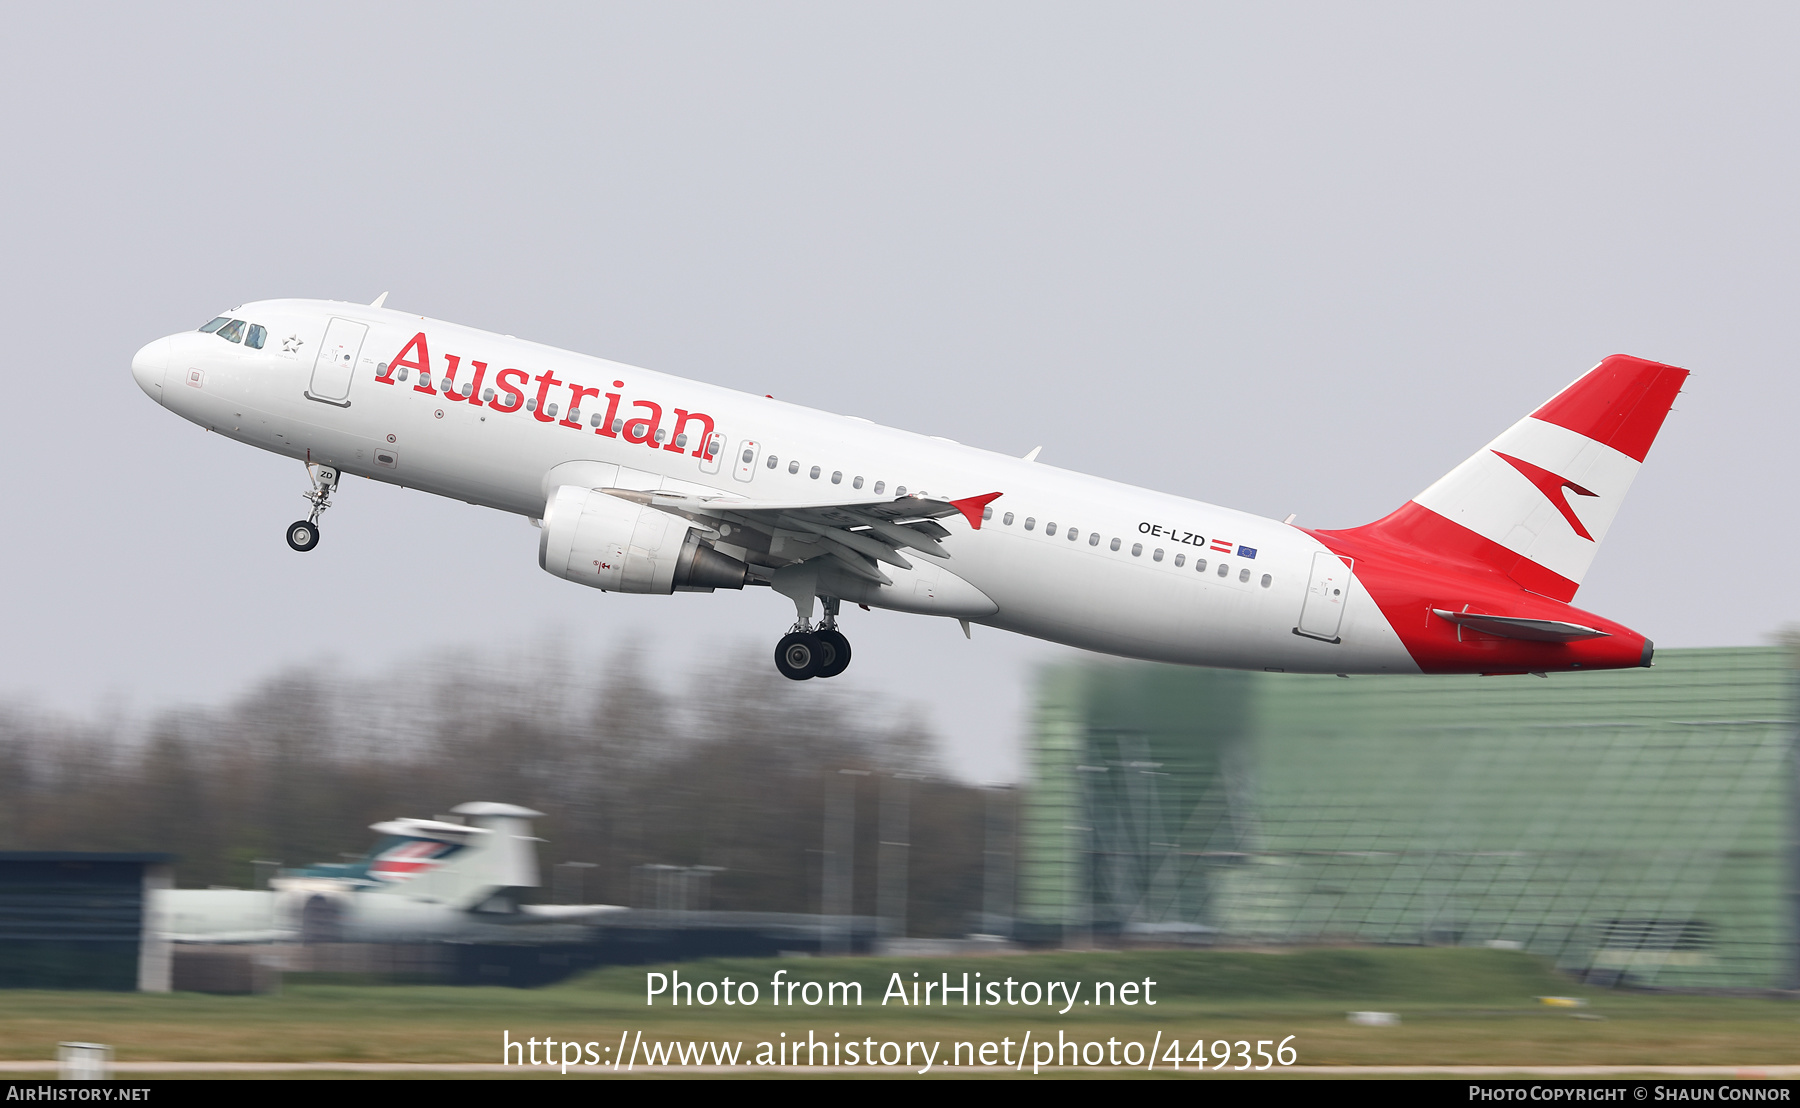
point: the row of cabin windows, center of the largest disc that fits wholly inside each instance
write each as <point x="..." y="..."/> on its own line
<point x="252" y="335"/>
<point x="1137" y="548"/>
<point x="837" y="475"/>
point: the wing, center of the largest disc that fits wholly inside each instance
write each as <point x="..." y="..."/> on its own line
<point x="859" y="534"/>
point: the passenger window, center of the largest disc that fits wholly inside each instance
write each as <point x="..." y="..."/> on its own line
<point x="1157" y="557"/>
<point x="987" y="513"/>
<point x="1115" y="544"/>
<point x="1199" y="565"/>
<point x="901" y="491"/>
<point x="749" y="455"/>
<point x="1180" y="560"/>
<point x="258" y="335"/>
<point x="773" y="460"/>
<point x="680" y="440"/>
<point x="1030" y="522"/>
<point x="1049" y="528"/>
<point x="1093" y="538"/>
<point x="1244" y="575"/>
<point x="1137" y="549"/>
<point x="856" y="484"/>
<point x="661" y="433"/>
<point x="815" y="473"/>
<point x="1074" y="533"/>
<point x="793" y="467"/>
<point x="1007" y="519"/>
<point x="232" y="332"/>
<point x="487" y="396"/>
<point x="215" y="325"/>
<point x="1266" y="579"/>
<point x="1224" y="570"/>
<point x="879" y="486"/>
<point x="837" y="476"/>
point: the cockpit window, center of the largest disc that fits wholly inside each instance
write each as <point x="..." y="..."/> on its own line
<point x="215" y="325"/>
<point x="257" y="336"/>
<point x="233" y="331"/>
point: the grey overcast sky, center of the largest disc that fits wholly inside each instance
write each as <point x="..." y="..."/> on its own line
<point x="1283" y="257"/>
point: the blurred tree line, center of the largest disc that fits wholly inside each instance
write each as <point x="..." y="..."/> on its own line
<point x="731" y="772"/>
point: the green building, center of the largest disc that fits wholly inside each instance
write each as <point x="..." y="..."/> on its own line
<point x="1637" y="825"/>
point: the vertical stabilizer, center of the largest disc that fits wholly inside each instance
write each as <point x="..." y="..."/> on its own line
<point x="1536" y="502"/>
<point x="512" y="861"/>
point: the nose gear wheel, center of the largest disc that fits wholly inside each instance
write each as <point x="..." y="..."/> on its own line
<point x="304" y="535"/>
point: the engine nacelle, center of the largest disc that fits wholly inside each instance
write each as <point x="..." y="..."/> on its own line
<point x="607" y="542"/>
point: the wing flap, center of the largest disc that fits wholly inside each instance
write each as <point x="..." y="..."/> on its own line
<point x="858" y="533"/>
<point x="861" y="543"/>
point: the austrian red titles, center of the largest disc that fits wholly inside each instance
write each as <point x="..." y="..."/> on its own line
<point x="642" y="424"/>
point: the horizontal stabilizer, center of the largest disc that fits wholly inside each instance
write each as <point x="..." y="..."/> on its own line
<point x="1517" y="627"/>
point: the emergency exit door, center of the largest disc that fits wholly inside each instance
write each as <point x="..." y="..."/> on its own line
<point x="336" y="363"/>
<point x="1322" y="612"/>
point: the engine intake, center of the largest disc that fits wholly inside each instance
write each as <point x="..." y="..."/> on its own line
<point x="609" y="543"/>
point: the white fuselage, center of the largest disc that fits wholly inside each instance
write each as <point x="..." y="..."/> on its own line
<point x="1134" y="601"/>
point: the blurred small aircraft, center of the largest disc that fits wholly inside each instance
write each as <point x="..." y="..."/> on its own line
<point x="425" y="879"/>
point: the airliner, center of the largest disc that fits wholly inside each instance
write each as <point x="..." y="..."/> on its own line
<point x="641" y="482"/>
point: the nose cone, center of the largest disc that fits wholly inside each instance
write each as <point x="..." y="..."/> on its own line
<point x="148" y="366"/>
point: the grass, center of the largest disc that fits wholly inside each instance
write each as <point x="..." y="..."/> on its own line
<point x="1455" y="1006"/>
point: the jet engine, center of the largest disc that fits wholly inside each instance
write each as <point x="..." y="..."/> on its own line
<point x="607" y="542"/>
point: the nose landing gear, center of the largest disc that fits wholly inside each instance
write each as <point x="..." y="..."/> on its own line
<point x="804" y="653"/>
<point x="304" y="535"/>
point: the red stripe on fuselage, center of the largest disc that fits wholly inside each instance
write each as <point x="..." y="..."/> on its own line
<point x="1417" y="533"/>
<point x="1416" y="560"/>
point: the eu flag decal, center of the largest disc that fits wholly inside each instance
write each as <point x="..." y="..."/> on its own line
<point x="1247" y="552"/>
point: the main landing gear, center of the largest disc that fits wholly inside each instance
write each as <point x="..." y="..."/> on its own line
<point x="304" y="535"/>
<point x="804" y="653"/>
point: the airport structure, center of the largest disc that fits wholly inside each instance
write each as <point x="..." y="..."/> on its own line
<point x="74" y="920"/>
<point x="1638" y="826"/>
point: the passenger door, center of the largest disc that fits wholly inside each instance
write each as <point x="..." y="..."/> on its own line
<point x="1322" y="612"/>
<point x="336" y="363"/>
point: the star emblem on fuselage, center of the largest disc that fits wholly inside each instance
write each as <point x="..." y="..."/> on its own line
<point x="292" y="344"/>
